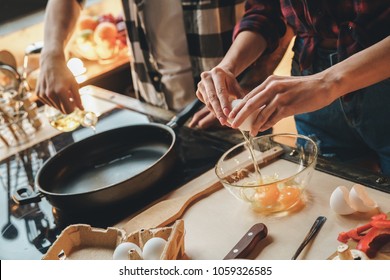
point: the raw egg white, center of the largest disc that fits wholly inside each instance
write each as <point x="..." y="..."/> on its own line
<point x="122" y="251"/>
<point x="154" y="248"/>
<point x="339" y="201"/>
<point x="359" y="199"/>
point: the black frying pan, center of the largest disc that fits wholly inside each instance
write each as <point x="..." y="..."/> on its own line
<point x="109" y="167"/>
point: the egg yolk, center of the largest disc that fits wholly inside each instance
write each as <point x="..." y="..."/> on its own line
<point x="289" y="196"/>
<point x="267" y="196"/>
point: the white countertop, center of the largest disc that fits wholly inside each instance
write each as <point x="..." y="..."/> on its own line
<point x="214" y="224"/>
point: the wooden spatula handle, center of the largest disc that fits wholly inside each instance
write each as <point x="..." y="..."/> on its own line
<point x="167" y="211"/>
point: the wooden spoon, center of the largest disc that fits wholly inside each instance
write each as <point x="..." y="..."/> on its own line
<point x="167" y="211"/>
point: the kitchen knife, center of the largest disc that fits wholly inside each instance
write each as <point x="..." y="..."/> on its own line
<point x="248" y="242"/>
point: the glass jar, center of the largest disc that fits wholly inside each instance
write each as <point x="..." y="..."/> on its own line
<point x="71" y="121"/>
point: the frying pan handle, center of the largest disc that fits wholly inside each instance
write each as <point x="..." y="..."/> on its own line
<point x="26" y="196"/>
<point x="185" y="114"/>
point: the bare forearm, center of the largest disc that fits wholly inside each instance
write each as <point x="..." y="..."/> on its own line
<point x="360" y="70"/>
<point x="246" y="48"/>
<point x="60" y="20"/>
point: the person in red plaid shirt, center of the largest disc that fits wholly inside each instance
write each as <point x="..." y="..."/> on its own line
<point x="339" y="91"/>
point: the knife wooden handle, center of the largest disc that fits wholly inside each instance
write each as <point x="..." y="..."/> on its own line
<point x="255" y="234"/>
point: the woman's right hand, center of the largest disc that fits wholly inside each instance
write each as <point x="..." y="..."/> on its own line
<point x="56" y="85"/>
<point x="217" y="88"/>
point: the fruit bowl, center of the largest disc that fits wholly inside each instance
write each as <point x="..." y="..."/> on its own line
<point x="285" y="163"/>
<point x="99" y="38"/>
<point x="93" y="51"/>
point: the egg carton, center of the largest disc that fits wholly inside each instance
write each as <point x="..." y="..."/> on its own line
<point x="84" y="242"/>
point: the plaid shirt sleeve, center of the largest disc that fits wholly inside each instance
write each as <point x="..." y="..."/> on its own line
<point x="264" y="17"/>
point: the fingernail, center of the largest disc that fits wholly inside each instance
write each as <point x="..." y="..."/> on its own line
<point x="226" y="111"/>
<point x="263" y="129"/>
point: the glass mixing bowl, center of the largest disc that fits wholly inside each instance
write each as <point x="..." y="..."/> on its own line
<point x="285" y="163"/>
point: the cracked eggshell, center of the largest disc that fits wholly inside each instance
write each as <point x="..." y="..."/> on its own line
<point x="339" y="201"/>
<point x="359" y="199"/>
<point x="247" y="123"/>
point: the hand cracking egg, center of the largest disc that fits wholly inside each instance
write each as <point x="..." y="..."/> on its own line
<point x="247" y="123"/>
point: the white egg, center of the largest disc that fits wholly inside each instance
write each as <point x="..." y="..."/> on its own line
<point x="247" y="123"/>
<point x="154" y="248"/>
<point x="339" y="201"/>
<point x="359" y="199"/>
<point x="122" y="251"/>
